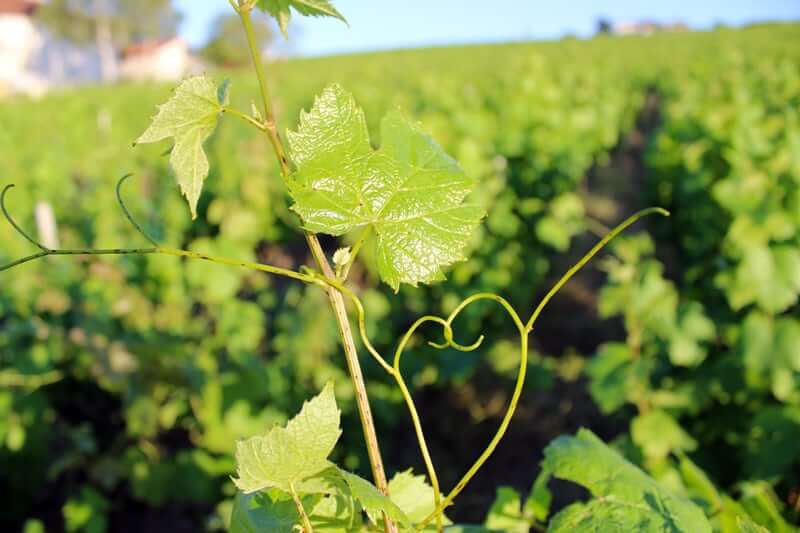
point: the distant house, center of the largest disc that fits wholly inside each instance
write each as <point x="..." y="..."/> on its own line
<point x="646" y="27"/>
<point x="163" y="60"/>
<point x="636" y="28"/>
<point x="19" y="41"/>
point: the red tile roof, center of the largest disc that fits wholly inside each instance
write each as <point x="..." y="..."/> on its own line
<point x="145" y="48"/>
<point x="19" y="7"/>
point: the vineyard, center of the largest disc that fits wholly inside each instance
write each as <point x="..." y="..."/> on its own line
<point x="126" y="382"/>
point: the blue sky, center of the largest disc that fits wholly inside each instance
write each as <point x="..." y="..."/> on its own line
<point x="382" y="24"/>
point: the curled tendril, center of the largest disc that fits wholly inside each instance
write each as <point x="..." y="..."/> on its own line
<point x="14" y="224"/>
<point x="127" y="213"/>
<point x="523" y="328"/>
<point x="155" y="249"/>
<point x="449" y="342"/>
<point x="313" y="277"/>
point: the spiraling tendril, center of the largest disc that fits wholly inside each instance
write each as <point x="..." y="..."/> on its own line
<point x="313" y="277"/>
<point x="524" y="330"/>
<point x="155" y="249"/>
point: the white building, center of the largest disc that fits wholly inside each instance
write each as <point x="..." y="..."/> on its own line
<point x="164" y="60"/>
<point x="646" y="27"/>
<point x="19" y="42"/>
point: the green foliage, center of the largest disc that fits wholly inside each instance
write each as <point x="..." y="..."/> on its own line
<point x="189" y="117"/>
<point x="617" y="376"/>
<point x="288" y="455"/>
<point x="657" y="434"/>
<point x="748" y="526"/>
<point x="625" y="498"/>
<point x="505" y="514"/>
<point x="293" y="460"/>
<point x="410" y="192"/>
<point x="768" y="348"/>
<point x="195" y="355"/>
<point x="270" y="512"/>
<point x="281" y="10"/>
<point x="723" y="301"/>
<point x="86" y="513"/>
<point x="374" y="501"/>
<point x="412" y="494"/>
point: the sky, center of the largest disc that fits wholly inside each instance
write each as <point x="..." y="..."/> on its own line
<point x="387" y="24"/>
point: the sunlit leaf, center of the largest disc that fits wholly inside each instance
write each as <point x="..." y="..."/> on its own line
<point x="658" y="434"/>
<point x="410" y="192"/>
<point x="288" y="455"/>
<point x="282" y="10"/>
<point x="625" y="498"/>
<point x="505" y="514"/>
<point x="189" y="117"/>
<point x="372" y="500"/>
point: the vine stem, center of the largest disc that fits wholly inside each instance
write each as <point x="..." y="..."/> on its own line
<point x="335" y="296"/>
<point x="307" y="528"/>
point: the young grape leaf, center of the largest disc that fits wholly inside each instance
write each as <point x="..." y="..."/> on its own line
<point x="410" y="192"/>
<point x="537" y="506"/>
<point x="266" y="513"/>
<point x="337" y="514"/>
<point x="372" y="500"/>
<point x="281" y="10"/>
<point x="189" y="117"/>
<point x="763" y="506"/>
<point x="692" y="329"/>
<point x="615" y="375"/>
<point x="768" y="347"/>
<point x="746" y="525"/>
<point x="469" y="529"/>
<point x="626" y="499"/>
<point x="413" y="495"/>
<point x="328" y="482"/>
<point x="698" y="485"/>
<point x="285" y="456"/>
<point x="505" y="514"/>
<point x="658" y="434"/>
<point x="768" y="276"/>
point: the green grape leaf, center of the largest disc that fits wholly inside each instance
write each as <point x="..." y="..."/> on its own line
<point x="505" y="514"/>
<point x="272" y="512"/>
<point x="616" y="375"/>
<point x="658" y="434"/>
<point x="410" y="192"/>
<point x="291" y="454"/>
<point x="413" y="495"/>
<point x="701" y="490"/>
<point x="537" y="506"/>
<point x="372" y="500"/>
<point x="768" y="276"/>
<point x="693" y="327"/>
<point x="763" y="506"/>
<point x="746" y="525"/>
<point x="771" y="447"/>
<point x="768" y="347"/>
<point x="189" y="117"/>
<point x="281" y="10"/>
<point x="468" y="529"/>
<point x="699" y="486"/>
<point x="329" y="482"/>
<point x="337" y="514"/>
<point x="626" y="499"/>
